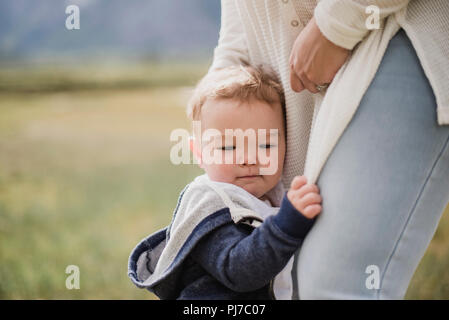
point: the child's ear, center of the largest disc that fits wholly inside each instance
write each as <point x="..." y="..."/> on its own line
<point x="194" y="147"/>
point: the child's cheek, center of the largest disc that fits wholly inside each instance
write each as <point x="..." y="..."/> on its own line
<point x="227" y="171"/>
<point x="220" y="172"/>
<point x="272" y="160"/>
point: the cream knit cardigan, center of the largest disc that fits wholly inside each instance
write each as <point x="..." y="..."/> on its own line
<point x="263" y="31"/>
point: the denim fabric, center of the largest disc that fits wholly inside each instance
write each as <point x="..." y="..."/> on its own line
<point x="384" y="188"/>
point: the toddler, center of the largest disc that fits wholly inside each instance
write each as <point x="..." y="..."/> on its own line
<point x="235" y="229"/>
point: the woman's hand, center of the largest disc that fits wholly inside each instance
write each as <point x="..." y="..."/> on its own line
<point x="314" y="60"/>
<point x="305" y="197"/>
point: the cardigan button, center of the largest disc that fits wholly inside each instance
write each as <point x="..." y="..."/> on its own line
<point x="284" y="1"/>
<point x="294" y="23"/>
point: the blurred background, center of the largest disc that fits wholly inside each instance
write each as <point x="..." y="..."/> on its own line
<point x="85" y="121"/>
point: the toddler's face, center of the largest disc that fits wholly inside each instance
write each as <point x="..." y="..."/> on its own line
<point x="257" y="162"/>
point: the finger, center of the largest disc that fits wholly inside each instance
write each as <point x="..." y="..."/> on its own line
<point x="308" y="188"/>
<point x="298" y="182"/>
<point x="329" y="77"/>
<point x="295" y="82"/>
<point x="311" y="211"/>
<point x="309" y="199"/>
<point x="309" y="85"/>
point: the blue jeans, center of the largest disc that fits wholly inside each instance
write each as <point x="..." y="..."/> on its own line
<point x="384" y="188"/>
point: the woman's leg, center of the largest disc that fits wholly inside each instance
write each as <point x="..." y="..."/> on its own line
<point x="384" y="188"/>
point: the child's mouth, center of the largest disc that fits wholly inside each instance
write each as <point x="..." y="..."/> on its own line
<point x="249" y="177"/>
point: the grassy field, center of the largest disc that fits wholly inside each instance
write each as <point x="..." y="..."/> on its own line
<point x="85" y="174"/>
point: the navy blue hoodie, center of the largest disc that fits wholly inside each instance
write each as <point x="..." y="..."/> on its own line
<point x="230" y="252"/>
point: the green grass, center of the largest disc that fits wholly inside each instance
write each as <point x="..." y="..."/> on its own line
<point x="85" y="175"/>
<point x="98" y="75"/>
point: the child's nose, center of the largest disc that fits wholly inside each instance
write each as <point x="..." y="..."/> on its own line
<point x="249" y="159"/>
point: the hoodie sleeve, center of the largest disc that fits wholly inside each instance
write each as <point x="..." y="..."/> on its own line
<point x="245" y="261"/>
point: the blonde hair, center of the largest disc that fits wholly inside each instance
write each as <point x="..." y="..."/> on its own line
<point x="237" y="82"/>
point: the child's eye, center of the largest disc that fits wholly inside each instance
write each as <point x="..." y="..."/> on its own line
<point x="228" y="148"/>
<point x="267" y="146"/>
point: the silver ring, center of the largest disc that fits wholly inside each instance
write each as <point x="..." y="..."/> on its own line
<point x="321" y="87"/>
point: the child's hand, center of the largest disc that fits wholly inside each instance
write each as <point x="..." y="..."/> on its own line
<point x="305" y="197"/>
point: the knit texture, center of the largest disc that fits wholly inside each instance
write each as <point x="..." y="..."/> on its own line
<point x="263" y="32"/>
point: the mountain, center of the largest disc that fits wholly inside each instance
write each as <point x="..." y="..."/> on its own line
<point x="125" y="28"/>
